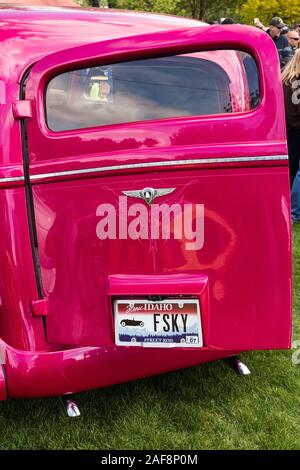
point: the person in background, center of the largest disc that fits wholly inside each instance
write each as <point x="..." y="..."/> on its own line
<point x="286" y="55"/>
<point x="259" y="24"/>
<point x="295" y="199"/>
<point x="291" y="88"/>
<point x="227" y="21"/>
<point x="274" y="31"/>
<point x="293" y="39"/>
<point x="284" y="30"/>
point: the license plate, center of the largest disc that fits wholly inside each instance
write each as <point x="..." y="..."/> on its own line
<point x="165" y="323"/>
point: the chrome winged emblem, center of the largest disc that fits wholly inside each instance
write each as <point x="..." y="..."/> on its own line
<point x="149" y="194"/>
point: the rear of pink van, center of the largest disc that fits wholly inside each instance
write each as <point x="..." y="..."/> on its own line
<point x="157" y="195"/>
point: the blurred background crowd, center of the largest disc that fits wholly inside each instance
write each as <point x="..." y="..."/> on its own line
<point x="280" y="19"/>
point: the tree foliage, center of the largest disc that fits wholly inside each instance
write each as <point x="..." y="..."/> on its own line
<point x="288" y="10"/>
<point x="210" y="10"/>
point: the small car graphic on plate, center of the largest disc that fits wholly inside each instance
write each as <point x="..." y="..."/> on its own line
<point x="128" y="322"/>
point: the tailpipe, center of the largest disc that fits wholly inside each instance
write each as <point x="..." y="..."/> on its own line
<point x="3" y="391"/>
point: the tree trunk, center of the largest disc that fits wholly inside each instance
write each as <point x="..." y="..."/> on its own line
<point x="194" y="4"/>
<point x="201" y="10"/>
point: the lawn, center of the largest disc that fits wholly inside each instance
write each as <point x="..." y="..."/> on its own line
<point x="205" y="407"/>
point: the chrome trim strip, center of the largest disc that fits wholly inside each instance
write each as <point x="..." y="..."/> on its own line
<point x="131" y="166"/>
<point x="12" y="179"/>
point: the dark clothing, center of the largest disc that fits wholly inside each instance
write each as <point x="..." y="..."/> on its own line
<point x="282" y="46"/>
<point x="292" y="115"/>
<point x="293" y="140"/>
<point x="292" y="110"/>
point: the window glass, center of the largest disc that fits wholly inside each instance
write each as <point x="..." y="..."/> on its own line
<point x="204" y="83"/>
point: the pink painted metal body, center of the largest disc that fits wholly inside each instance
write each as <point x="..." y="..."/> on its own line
<point x="56" y="321"/>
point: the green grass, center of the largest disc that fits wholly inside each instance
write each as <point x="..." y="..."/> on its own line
<point x="205" y="407"/>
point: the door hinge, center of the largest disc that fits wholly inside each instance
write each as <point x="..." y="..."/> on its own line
<point x="22" y="109"/>
<point x="39" y="307"/>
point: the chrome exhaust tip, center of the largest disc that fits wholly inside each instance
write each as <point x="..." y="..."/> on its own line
<point x="70" y="406"/>
<point x="237" y="365"/>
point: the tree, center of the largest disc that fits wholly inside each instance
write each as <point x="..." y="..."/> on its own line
<point x="165" y="6"/>
<point x="206" y="10"/>
<point x="288" y="10"/>
<point x="141" y="5"/>
<point x="209" y="10"/>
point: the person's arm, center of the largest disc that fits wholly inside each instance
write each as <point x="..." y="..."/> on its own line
<point x="259" y="24"/>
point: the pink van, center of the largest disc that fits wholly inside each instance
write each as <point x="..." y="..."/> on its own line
<point x="144" y="197"/>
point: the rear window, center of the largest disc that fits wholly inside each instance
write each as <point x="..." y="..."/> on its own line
<point x="205" y="83"/>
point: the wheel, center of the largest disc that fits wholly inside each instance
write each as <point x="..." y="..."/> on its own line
<point x="142" y="324"/>
<point x="123" y="323"/>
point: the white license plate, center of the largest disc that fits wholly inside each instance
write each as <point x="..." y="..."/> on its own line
<point x="165" y="323"/>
